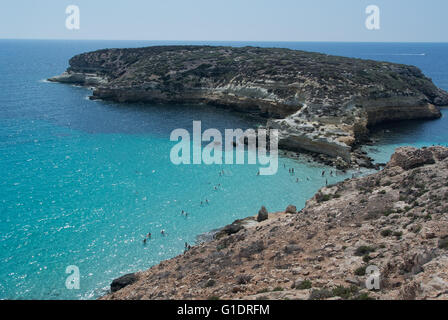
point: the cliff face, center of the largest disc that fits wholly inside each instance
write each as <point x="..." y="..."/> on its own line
<point x="320" y="103"/>
<point x="396" y="220"/>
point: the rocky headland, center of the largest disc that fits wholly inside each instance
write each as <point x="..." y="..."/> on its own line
<point x="320" y="103"/>
<point x="395" y="219"/>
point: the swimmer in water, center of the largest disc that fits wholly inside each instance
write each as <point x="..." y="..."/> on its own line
<point x="162" y="232"/>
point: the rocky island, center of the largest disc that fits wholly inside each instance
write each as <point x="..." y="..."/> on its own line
<point x="320" y="103"/>
<point x="395" y="219"/>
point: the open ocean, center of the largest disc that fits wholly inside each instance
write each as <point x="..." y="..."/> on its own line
<point x="82" y="182"/>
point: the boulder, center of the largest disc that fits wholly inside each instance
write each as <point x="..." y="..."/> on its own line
<point x="440" y="153"/>
<point x="123" y="281"/>
<point x="291" y="248"/>
<point x="262" y="214"/>
<point x="341" y="164"/>
<point x="297" y="283"/>
<point x="291" y="209"/>
<point x="410" y="158"/>
<point x="232" y="228"/>
<point x="243" y="279"/>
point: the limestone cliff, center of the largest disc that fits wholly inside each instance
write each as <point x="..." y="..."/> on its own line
<point x="395" y="219"/>
<point x="320" y="103"/>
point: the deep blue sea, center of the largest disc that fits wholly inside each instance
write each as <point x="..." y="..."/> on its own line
<point x="82" y="182"/>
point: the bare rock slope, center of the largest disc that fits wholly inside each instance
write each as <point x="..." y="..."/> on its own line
<point x="395" y="219"/>
<point x="320" y="103"/>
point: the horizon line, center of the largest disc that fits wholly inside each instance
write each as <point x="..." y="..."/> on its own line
<point x="265" y="41"/>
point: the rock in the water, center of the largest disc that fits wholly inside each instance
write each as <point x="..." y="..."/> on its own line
<point x="291" y="209"/>
<point x="123" y="281"/>
<point x="262" y="214"/>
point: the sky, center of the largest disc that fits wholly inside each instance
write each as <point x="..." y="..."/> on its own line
<point x="227" y="20"/>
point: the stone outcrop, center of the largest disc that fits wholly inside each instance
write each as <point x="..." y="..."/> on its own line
<point x="291" y="209"/>
<point x="320" y="103"/>
<point x="262" y="214"/>
<point x="123" y="281"/>
<point x="395" y="219"/>
<point x="409" y="157"/>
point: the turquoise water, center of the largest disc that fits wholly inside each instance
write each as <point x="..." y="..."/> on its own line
<point x="83" y="181"/>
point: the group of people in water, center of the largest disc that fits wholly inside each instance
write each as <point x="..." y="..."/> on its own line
<point x="185" y="214"/>
<point x="206" y="201"/>
<point x="323" y="174"/>
<point x="149" y="235"/>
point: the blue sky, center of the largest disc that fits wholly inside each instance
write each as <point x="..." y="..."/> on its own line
<point x="237" y="20"/>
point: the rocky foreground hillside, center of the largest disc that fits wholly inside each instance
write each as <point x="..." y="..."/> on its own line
<point x="320" y="103"/>
<point x="396" y="219"/>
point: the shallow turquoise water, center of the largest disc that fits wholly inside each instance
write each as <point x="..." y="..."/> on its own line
<point x="83" y="181"/>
